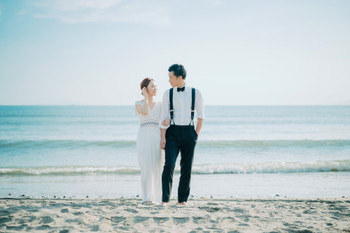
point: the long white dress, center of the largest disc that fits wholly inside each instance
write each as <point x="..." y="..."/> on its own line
<point x="150" y="156"/>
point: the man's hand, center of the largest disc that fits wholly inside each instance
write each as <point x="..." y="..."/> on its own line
<point x="162" y="143"/>
<point x="199" y="126"/>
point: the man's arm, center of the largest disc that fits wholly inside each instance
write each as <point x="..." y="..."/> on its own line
<point x="199" y="110"/>
<point x="164" y="116"/>
<point x="199" y="125"/>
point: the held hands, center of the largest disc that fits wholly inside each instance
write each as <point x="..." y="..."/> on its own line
<point x="166" y="122"/>
<point x="162" y="143"/>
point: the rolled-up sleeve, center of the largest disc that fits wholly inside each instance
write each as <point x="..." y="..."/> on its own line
<point x="165" y="113"/>
<point x="199" y="105"/>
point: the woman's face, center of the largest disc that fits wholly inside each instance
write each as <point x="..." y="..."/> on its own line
<point x="152" y="88"/>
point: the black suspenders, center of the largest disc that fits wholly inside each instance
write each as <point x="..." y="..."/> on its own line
<point x="171" y="106"/>
<point x="192" y="105"/>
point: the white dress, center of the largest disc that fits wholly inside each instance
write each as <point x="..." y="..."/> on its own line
<point x="150" y="156"/>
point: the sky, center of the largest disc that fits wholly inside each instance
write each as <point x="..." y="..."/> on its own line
<point x="236" y="52"/>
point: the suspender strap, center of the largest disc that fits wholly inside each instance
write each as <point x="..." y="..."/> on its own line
<point x="171" y="106"/>
<point x="192" y="105"/>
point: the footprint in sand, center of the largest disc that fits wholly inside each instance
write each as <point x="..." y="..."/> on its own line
<point x="209" y="209"/>
<point x="43" y="227"/>
<point x="128" y="203"/>
<point x="140" y="219"/>
<point x="197" y="229"/>
<point x="159" y="220"/>
<point x="4" y="213"/>
<point x="117" y="219"/>
<point x="244" y="218"/>
<point x="216" y="221"/>
<point x="26" y="219"/>
<point x="243" y="225"/>
<point x="180" y="220"/>
<point x="64" y="231"/>
<point x="197" y="220"/>
<point x="210" y="203"/>
<point x="5" y="220"/>
<point x="132" y="211"/>
<point x="46" y="220"/>
<point x="295" y="225"/>
<point x="238" y="210"/>
<point x="78" y="213"/>
<point x="95" y="228"/>
<point x="229" y="219"/>
<point x="33" y="210"/>
<point x="17" y="228"/>
<point x="328" y="224"/>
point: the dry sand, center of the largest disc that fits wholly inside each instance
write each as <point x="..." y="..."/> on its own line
<point x="201" y="215"/>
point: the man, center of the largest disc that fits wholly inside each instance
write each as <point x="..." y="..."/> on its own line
<point x="180" y="104"/>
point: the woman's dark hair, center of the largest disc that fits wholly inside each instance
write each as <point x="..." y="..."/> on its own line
<point x="179" y="70"/>
<point x="145" y="83"/>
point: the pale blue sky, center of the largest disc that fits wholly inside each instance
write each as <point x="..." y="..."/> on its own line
<point x="245" y="52"/>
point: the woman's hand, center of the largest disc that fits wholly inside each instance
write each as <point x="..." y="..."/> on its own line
<point x="144" y="92"/>
<point x="166" y="122"/>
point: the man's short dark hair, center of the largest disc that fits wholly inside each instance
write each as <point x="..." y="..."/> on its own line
<point x="179" y="70"/>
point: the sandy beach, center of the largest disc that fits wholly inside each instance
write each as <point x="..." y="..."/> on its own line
<point x="201" y="215"/>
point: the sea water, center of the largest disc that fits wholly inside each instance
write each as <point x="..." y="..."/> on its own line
<point x="242" y="151"/>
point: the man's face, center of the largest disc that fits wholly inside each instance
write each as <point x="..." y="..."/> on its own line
<point x="173" y="80"/>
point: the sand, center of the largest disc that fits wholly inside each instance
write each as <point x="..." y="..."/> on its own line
<point x="201" y="215"/>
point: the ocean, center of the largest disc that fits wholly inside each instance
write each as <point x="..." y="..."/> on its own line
<point x="242" y="152"/>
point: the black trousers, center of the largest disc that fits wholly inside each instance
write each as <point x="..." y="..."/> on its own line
<point x="178" y="139"/>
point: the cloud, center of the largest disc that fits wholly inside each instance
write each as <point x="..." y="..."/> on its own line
<point x="22" y="12"/>
<point x="82" y="11"/>
<point x="214" y="2"/>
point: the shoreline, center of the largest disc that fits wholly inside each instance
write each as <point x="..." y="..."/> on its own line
<point x="277" y="214"/>
<point x="258" y="186"/>
<point x="190" y="199"/>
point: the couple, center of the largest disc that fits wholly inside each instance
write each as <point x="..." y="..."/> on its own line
<point x="170" y="126"/>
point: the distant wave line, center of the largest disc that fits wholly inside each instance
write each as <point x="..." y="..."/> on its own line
<point x="234" y="168"/>
<point x="73" y="143"/>
<point x="277" y="143"/>
<point x="66" y="143"/>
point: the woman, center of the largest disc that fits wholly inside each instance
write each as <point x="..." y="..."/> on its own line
<point x="150" y="157"/>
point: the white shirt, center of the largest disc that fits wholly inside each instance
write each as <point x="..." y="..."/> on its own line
<point x="182" y="106"/>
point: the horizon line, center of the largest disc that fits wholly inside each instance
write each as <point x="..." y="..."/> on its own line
<point x="209" y="105"/>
